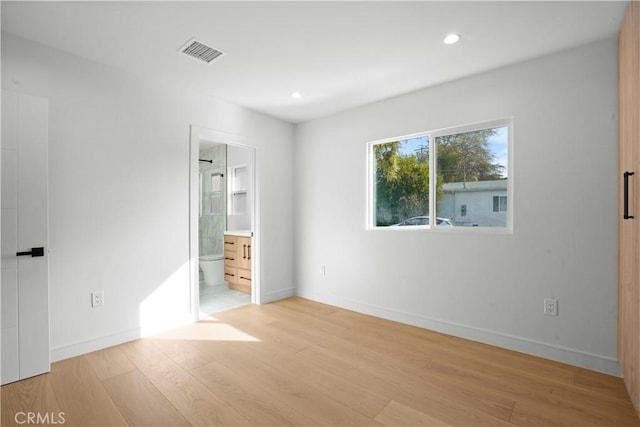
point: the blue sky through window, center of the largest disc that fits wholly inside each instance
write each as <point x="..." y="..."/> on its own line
<point x="410" y="146"/>
<point x="498" y="145"/>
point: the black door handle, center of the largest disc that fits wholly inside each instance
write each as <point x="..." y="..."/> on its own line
<point x="34" y="252"/>
<point x="625" y="195"/>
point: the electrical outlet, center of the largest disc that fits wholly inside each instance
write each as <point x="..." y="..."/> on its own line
<point x="323" y="270"/>
<point x="97" y="298"/>
<point x="550" y="307"/>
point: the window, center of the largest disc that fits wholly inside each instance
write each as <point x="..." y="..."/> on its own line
<point x="461" y="174"/>
<point x="402" y="182"/>
<point x="499" y="203"/>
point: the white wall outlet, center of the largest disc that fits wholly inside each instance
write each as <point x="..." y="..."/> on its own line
<point x="97" y="298"/>
<point x="323" y="270"/>
<point x="550" y="307"/>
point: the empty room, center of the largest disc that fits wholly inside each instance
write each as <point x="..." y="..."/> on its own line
<point x="300" y="213"/>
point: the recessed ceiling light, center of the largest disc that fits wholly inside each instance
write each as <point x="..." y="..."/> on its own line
<point x="296" y="95"/>
<point x="451" y="38"/>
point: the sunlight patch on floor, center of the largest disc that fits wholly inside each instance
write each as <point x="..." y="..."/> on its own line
<point x="210" y="330"/>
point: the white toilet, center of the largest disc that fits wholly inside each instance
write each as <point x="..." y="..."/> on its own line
<point x="212" y="267"/>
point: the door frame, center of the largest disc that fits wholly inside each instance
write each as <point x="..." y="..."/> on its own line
<point x="198" y="133"/>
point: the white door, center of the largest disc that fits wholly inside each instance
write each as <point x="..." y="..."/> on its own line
<point x="25" y="271"/>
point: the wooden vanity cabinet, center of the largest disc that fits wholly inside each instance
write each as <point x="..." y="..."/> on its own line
<point x="230" y="259"/>
<point x="237" y="262"/>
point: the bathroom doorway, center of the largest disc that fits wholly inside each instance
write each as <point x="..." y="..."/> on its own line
<point x="222" y="222"/>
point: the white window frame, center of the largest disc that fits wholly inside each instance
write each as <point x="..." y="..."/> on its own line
<point x="433" y="155"/>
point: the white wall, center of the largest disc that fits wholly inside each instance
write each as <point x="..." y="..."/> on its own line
<point x="119" y="188"/>
<point x="488" y="287"/>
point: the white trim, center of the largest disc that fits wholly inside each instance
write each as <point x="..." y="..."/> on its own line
<point x="371" y="189"/>
<point x="83" y="347"/>
<point x="278" y="295"/>
<point x="256" y="277"/>
<point x="595" y="362"/>
<point x="79" y="348"/>
<point x="448" y="230"/>
<point x="433" y="179"/>
<point x="502" y="122"/>
<point x="194" y="210"/>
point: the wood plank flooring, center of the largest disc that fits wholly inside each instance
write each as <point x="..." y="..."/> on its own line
<point x="300" y="363"/>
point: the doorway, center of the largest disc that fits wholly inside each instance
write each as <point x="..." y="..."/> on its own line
<point x="223" y="223"/>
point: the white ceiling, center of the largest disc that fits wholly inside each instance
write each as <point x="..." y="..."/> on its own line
<point x="337" y="54"/>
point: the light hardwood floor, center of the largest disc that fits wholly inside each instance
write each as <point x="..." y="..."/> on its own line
<point x="296" y="362"/>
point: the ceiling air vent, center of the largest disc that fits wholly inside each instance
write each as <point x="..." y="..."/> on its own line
<point x="200" y="51"/>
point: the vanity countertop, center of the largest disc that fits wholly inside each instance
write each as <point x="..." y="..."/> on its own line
<point x="241" y="233"/>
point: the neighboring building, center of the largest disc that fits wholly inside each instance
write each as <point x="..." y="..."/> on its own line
<point x="475" y="204"/>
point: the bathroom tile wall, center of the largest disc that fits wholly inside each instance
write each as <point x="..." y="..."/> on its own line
<point x="213" y="200"/>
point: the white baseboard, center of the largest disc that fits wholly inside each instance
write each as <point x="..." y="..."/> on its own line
<point x="594" y="362"/>
<point x="277" y="295"/>
<point x="94" y="344"/>
<point x="83" y="347"/>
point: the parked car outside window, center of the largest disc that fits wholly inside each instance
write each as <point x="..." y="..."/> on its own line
<point x="424" y="220"/>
